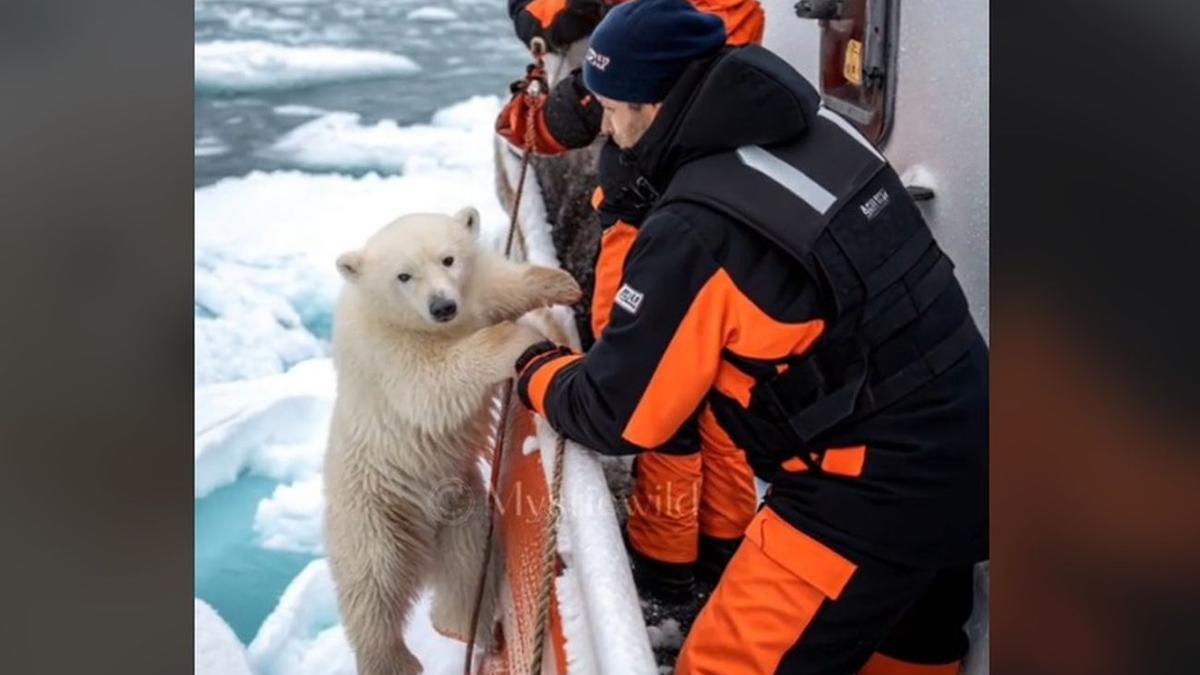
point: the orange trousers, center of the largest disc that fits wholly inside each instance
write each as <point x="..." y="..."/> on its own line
<point x="789" y="605"/>
<point x="678" y="498"/>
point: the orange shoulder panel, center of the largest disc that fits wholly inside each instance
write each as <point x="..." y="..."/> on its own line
<point x="720" y="317"/>
<point x="744" y="19"/>
<point x="545" y="10"/>
<point x="610" y="265"/>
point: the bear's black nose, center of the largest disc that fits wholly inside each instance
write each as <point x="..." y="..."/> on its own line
<point x="442" y="309"/>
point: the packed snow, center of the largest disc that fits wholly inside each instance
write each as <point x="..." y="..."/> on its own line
<point x="303" y="635"/>
<point x="253" y="65"/>
<point x="666" y="635"/>
<point x="217" y="649"/>
<point x="604" y="628"/>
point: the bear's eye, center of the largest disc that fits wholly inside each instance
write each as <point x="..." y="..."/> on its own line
<point x="448" y="260"/>
<point x="404" y="277"/>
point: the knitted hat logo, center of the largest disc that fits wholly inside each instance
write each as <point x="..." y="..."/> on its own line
<point x="596" y="59"/>
<point x="640" y="49"/>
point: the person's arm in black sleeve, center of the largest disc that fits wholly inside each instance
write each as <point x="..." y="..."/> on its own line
<point x="655" y="362"/>
<point x="558" y="22"/>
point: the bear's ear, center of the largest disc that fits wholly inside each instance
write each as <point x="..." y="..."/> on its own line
<point x="469" y="217"/>
<point x="350" y="265"/>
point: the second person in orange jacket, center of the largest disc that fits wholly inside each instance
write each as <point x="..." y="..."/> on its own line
<point x="691" y="504"/>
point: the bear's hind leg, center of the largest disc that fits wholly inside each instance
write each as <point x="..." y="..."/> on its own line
<point x="376" y="592"/>
<point x="460" y="548"/>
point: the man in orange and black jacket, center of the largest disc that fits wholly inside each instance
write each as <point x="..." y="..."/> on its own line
<point x="691" y="501"/>
<point x="784" y="280"/>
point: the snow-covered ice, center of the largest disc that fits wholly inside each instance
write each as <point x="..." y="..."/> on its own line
<point x="273" y="426"/>
<point x="297" y="110"/>
<point x="291" y="518"/>
<point x="432" y="14"/>
<point x="266" y="243"/>
<point x="306" y="610"/>
<point x="246" y="320"/>
<point x="303" y="636"/>
<point x="266" y="284"/>
<point x="207" y="146"/>
<point x="217" y="649"/>
<point x="250" y="19"/>
<point x="254" y="65"/>
<point x="341" y="141"/>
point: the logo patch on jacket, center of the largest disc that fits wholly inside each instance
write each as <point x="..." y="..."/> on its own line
<point x="629" y="299"/>
<point x="596" y="59"/>
<point x="874" y="205"/>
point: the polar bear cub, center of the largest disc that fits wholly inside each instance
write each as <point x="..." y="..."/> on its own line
<point x="422" y="333"/>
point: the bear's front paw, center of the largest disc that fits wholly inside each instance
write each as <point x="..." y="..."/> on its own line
<point x="558" y="286"/>
<point x="525" y="336"/>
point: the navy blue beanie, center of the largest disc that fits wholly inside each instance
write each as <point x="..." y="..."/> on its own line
<point x="640" y="49"/>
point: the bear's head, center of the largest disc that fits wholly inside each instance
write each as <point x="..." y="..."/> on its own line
<point x="416" y="269"/>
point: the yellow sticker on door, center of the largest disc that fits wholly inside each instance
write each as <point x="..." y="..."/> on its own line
<point x="852" y="69"/>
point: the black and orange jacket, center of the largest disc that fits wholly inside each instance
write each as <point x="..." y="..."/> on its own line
<point x="621" y="211"/>
<point x="558" y="22"/>
<point x="561" y="22"/>
<point x="707" y="309"/>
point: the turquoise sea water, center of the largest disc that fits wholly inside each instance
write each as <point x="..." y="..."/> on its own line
<point x="241" y="580"/>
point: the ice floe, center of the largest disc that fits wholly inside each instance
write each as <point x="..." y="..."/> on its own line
<point x="457" y="137"/>
<point x="217" y="650"/>
<point x="254" y="65"/>
<point x="303" y="636"/>
<point x="432" y="14"/>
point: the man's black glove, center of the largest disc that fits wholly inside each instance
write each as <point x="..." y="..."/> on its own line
<point x="573" y="114"/>
<point x="533" y="358"/>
